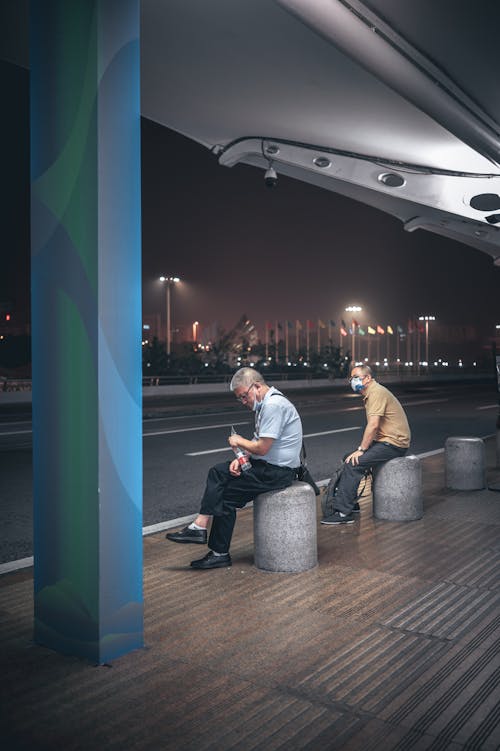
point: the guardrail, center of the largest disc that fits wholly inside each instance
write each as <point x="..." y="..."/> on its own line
<point x="15" y="384"/>
<point x="24" y="384"/>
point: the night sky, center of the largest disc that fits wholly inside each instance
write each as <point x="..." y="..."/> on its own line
<point x="292" y="252"/>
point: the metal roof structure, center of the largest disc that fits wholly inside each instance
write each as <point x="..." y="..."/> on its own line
<point x="394" y="103"/>
<point x="391" y="102"/>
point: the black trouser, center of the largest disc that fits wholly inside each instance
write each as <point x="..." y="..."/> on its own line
<point x="225" y="493"/>
<point x="347" y="489"/>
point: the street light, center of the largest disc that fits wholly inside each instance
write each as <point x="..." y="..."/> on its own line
<point x="353" y="309"/>
<point x="169" y="280"/>
<point x="195" y="331"/>
<point x="426" y="319"/>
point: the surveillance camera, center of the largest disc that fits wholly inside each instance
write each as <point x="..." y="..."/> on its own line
<point x="270" y="178"/>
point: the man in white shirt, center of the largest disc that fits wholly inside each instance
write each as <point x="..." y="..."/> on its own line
<point x="274" y="454"/>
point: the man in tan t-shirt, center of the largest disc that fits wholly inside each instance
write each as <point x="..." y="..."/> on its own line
<point x="386" y="436"/>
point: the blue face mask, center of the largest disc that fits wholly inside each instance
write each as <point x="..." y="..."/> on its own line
<point x="357" y="384"/>
<point x="256" y="404"/>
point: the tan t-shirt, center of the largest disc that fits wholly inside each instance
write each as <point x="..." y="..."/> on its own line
<point x="393" y="426"/>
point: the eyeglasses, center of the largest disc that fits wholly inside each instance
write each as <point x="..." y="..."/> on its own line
<point x="355" y="376"/>
<point x="244" y="397"/>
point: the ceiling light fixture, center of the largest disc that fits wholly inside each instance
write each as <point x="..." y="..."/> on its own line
<point x="391" y="180"/>
<point x="322" y="162"/>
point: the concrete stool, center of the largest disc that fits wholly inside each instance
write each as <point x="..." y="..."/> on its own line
<point x="465" y="463"/>
<point x="397" y="490"/>
<point x="284" y="529"/>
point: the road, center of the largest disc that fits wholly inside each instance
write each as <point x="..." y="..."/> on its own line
<point x="183" y="437"/>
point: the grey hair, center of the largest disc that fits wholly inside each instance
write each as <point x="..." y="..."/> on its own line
<point x="245" y="377"/>
<point x="365" y="369"/>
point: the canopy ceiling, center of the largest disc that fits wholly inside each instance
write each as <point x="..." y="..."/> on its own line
<point x="391" y="102"/>
<point x="394" y="103"/>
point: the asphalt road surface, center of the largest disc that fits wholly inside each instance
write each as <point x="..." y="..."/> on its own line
<point x="184" y="436"/>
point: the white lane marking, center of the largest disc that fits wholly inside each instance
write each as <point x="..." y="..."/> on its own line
<point x="182" y="520"/>
<point x="329" y="432"/>
<point x="423" y="401"/>
<point x="200" y="427"/>
<point x="15" y="432"/>
<point x="209" y="427"/>
<point x="489" y="406"/>
<point x="184" y="417"/>
<point x="307" y="435"/>
<point x="158" y="432"/>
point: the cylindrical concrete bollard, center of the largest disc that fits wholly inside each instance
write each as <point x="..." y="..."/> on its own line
<point x="285" y="534"/>
<point x="397" y="490"/>
<point x="465" y="463"/>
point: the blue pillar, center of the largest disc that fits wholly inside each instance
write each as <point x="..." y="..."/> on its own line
<point x="86" y="326"/>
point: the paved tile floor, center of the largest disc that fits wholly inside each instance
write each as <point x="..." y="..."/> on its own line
<point x="391" y="643"/>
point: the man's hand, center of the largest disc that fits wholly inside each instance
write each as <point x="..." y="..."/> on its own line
<point x="234" y="468"/>
<point x="354" y="457"/>
<point x="234" y="440"/>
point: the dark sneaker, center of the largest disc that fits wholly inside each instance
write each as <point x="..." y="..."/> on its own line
<point x="212" y="561"/>
<point x="198" y="536"/>
<point x="356" y="509"/>
<point x="335" y="518"/>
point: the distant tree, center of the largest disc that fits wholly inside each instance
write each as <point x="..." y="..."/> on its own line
<point x="154" y="358"/>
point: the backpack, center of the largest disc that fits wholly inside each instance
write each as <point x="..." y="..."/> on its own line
<point x="328" y="500"/>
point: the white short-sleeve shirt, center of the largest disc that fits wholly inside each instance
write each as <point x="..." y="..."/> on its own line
<point x="277" y="418"/>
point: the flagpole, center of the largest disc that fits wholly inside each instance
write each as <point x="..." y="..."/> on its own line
<point x="297" y="338"/>
<point x="319" y="341"/>
<point x="267" y="340"/>
<point x="286" y="342"/>
<point x="307" y="340"/>
<point x="276" y="341"/>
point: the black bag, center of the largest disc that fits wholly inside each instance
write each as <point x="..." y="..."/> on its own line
<point x="303" y="473"/>
<point x="328" y="500"/>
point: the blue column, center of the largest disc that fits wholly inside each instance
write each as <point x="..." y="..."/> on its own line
<point x="86" y="326"/>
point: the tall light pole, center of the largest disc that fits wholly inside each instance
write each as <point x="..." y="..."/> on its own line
<point x="169" y="280"/>
<point x="195" y="332"/>
<point x="426" y="319"/>
<point x="353" y="309"/>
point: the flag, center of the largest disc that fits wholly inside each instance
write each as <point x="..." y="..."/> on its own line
<point x="390" y="330"/>
<point x="343" y="331"/>
<point x="361" y="331"/>
<point x="289" y="324"/>
<point x="344" y="324"/>
<point x="371" y="330"/>
<point x="380" y="330"/>
<point x="309" y="324"/>
<point x="352" y="330"/>
<point x="332" y="323"/>
<point x="279" y="326"/>
<point x="400" y="329"/>
<point x="355" y="323"/>
<point x="268" y="325"/>
<point x="298" y="325"/>
<point x="321" y="325"/>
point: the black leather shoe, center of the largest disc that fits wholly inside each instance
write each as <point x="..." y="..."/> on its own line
<point x="213" y="561"/>
<point x="198" y="536"/>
